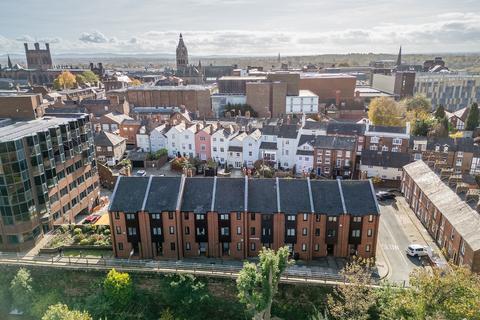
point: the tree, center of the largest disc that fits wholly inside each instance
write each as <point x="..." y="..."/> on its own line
<point x="167" y="314"/>
<point x="448" y="293"/>
<point x="62" y="312"/>
<point x="440" y="129"/>
<point x="257" y="284"/>
<point x="65" y="80"/>
<point x="473" y="118"/>
<point x="90" y="77"/>
<point x="21" y="290"/>
<point x="421" y="128"/>
<point x="80" y="79"/>
<point x="118" y="288"/>
<point x="440" y="112"/>
<point x="418" y="103"/>
<point x="353" y="299"/>
<point x="135" y="83"/>
<point x="385" y="111"/>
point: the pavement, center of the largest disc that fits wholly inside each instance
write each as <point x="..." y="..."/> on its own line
<point x="399" y="227"/>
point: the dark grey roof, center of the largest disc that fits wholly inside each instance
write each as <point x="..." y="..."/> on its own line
<point x="107" y="139"/>
<point x="197" y="195"/>
<point x="335" y="142"/>
<point x="457" y="144"/>
<point x="262" y="195"/>
<point x="137" y="156"/>
<point x="359" y="199"/>
<point x="98" y="101"/>
<point x="326" y="197"/>
<point x="346" y="128"/>
<point x="385" y="159"/>
<point x="294" y="196"/>
<point x="268" y="145"/>
<point x="306" y="138"/>
<point x="235" y="149"/>
<point x="163" y="194"/>
<point x="387" y="129"/>
<point x="129" y="194"/>
<point x="315" y="125"/>
<point x="305" y="152"/>
<point x="286" y="131"/>
<point x="230" y="195"/>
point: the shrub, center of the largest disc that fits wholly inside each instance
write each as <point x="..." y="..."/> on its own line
<point x="107" y="232"/>
<point x="78" y="238"/>
<point x="84" y="242"/>
<point x="77" y="231"/>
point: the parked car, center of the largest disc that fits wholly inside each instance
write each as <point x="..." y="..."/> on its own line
<point x="416" y="250"/>
<point x="141" y="173"/>
<point x="383" y="195"/>
<point x="91" y="219"/>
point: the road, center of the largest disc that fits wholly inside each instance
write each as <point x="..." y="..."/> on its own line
<point x="396" y="232"/>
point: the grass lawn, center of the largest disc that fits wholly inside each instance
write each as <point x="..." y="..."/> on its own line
<point x="88" y="253"/>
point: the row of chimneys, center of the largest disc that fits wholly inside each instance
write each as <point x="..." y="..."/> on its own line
<point x="37" y="46"/>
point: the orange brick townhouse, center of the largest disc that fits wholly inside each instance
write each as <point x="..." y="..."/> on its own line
<point x="177" y="217"/>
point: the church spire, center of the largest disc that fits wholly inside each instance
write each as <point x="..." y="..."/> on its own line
<point x="399" y="58"/>
<point x="10" y="66"/>
<point x="182" y="53"/>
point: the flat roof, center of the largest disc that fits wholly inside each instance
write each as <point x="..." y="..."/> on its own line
<point x="246" y="78"/>
<point x="314" y="75"/>
<point x="22" y="129"/>
<point x="169" y="88"/>
<point x="306" y="93"/>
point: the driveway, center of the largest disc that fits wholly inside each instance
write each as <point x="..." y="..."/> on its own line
<point x="398" y="229"/>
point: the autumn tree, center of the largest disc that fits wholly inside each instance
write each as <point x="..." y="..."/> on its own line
<point x="65" y="80"/>
<point x="385" y="111"/>
<point x="473" y="117"/>
<point x="21" y="290"/>
<point x="118" y="288"/>
<point x="353" y="299"/>
<point x="62" y="312"/>
<point x="257" y="284"/>
<point x="440" y="112"/>
<point x="135" y="83"/>
<point x="451" y="293"/>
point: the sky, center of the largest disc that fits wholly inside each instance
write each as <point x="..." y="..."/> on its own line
<point x="242" y="27"/>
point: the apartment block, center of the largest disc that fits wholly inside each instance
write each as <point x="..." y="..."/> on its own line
<point x="48" y="176"/>
<point x="384" y="138"/>
<point x="450" y="221"/>
<point x="233" y="218"/>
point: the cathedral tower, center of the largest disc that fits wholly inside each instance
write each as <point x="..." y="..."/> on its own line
<point x="182" y="54"/>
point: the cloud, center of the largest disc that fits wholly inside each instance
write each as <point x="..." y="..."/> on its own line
<point x="93" y="37"/>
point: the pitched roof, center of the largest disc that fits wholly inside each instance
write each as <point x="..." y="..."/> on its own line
<point x="294" y="196"/>
<point x="387" y="129"/>
<point x="230" y="195"/>
<point x="262" y="195"/>
<point x="268" y="145"/>
<point x="305" y="138"/>
<point x="315" y="125"/>
<point x="386" y="159"/>
<point x="460" y="215"/>
<point x="335" y="142"/>
<point x="128" y="194"/>
<point x="346" y="128"/>
<point x="359" y="197"/>
<point x="326" y="197"/>
<point x="163" y="194"/>
<point x="197" y="195"/>
<point x="107" y="139"/>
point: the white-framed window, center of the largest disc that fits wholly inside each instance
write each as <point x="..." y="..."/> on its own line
<point x="200" y="231"/>
<point x="225" y="231"/>
<point x="417" y="156"/>
<point x="304" y="231"/>
<point x="367" y="248"/>
<point x="132" y="231"/>
<point x="157" y="231"/>
<point x="171" y="230"/>
<point x="357" y="219"/>
<point x="188" y="246"/>
<point x="374" y="147"/>
<point x="239" y="230"/>
<point x="395" y="149"/>
<point x="290" y="232"/>
<point x="200" y="216"/>
<point x="460" y="154"/>
<point x="397" y="141"/>
<point x="339" y="153"/>
<point x="304" y="247"/>
<point x="224" y="216"/>
<point x="332" y="219"/>
<point x="384" y="148"/>
<point x="374" y="139"/>
<point x="291" y="217"/>
<point x="369" y="232"/>
<point x="356" y="233"/>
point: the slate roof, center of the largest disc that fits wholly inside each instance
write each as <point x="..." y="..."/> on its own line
<point x="387" y="129"/>
<point x="458" y="213"/>
<point x="262" y="195"/>
<point x="306" y="138"/>
<point x="286" y="131"/>
<point x="132" y="193"/>
<point x="305" y="152"/>
<point x="268" y="145"/>
<point x="235" y="148"/>
<point x="294" y="196"/>
<point x="359" y="198"/>
<point x="385" y="159"/>
<point x="335" y="142"/>
<point x="315" y="125"/>
<point x="326" y="197"/>
<point x="129" y="193"/>
<point x="197" y="195"/>
<point x="346" y="128"/>
<point x="230" y="195"/>
<point x="163" y="194"/>
<point x="107" y="139"/>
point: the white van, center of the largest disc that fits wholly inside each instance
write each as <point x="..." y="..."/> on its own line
<point x="416" y="250"/>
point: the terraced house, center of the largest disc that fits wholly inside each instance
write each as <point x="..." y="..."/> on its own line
<point x="450" y="221"/>
<point x="48" y="175"/>
<point x="177" y="217"/>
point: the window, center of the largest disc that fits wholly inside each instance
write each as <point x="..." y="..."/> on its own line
<point x="239" y="230"/>
<point x="239" y="216"/>
<point x="130" y="216"/>
<point x="156" y="216"/>
<point x="356" y="233"/>
<point x="357" y="219"/>
<point x="331" y="233"/>
<point x="374" y="140"/>
<point x="304" y="247"/>
<point x="317" y="217"/>
<point x="120" y="246"/>
<point x="117" y="215"/>
<point x="118" y="230"/>
<point x="384" y="148"/>
<point x="171" y="230"/>
<point x="397" y="141"/>
<point x="462" y="248"/>
<point x="224" y="216"/>
<point x="369" y="232"/>
<point x="460" y="154"/>
<point x="367" y="248"/>
<point x="188" y="246"/>
<point x="395" y="149"/>
<point x="347" y="154"/>
<point x="317" y="232"/>
<point x="239" y="246"/>
<point x="225" y="231"/>
<point x="290" y="217"/>
<point x="170" y="215"/>
<point x="291" y="232"/>
<point x="252" y="231"/>
<point x="317" y="247"/>
<point x="172" y="246"/>
<point x="305" y="217"/>
<point x="200" y="216"/>
<point x="157" y="231"/>
<point x="200" y="231"/>
<point x="304" y="231"/>
<point x="332" y="219"/>
<point x="374" y="147"/>
<point x="187" y="230"/>
<point x="339" y="153"/>
<point x="252" y="216"/>
<point x="252" y="246"/>
<point x="132" y="231"/>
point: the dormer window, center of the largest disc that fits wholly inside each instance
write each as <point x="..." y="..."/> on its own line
<point x="445" y="149"/>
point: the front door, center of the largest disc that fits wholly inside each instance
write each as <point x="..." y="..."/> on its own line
<point x="330" y="249"/>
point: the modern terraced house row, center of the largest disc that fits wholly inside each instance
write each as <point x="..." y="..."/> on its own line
<point x="177" y="217"/>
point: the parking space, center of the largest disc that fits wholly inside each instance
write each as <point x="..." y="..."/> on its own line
<point x="398" y="229"/>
